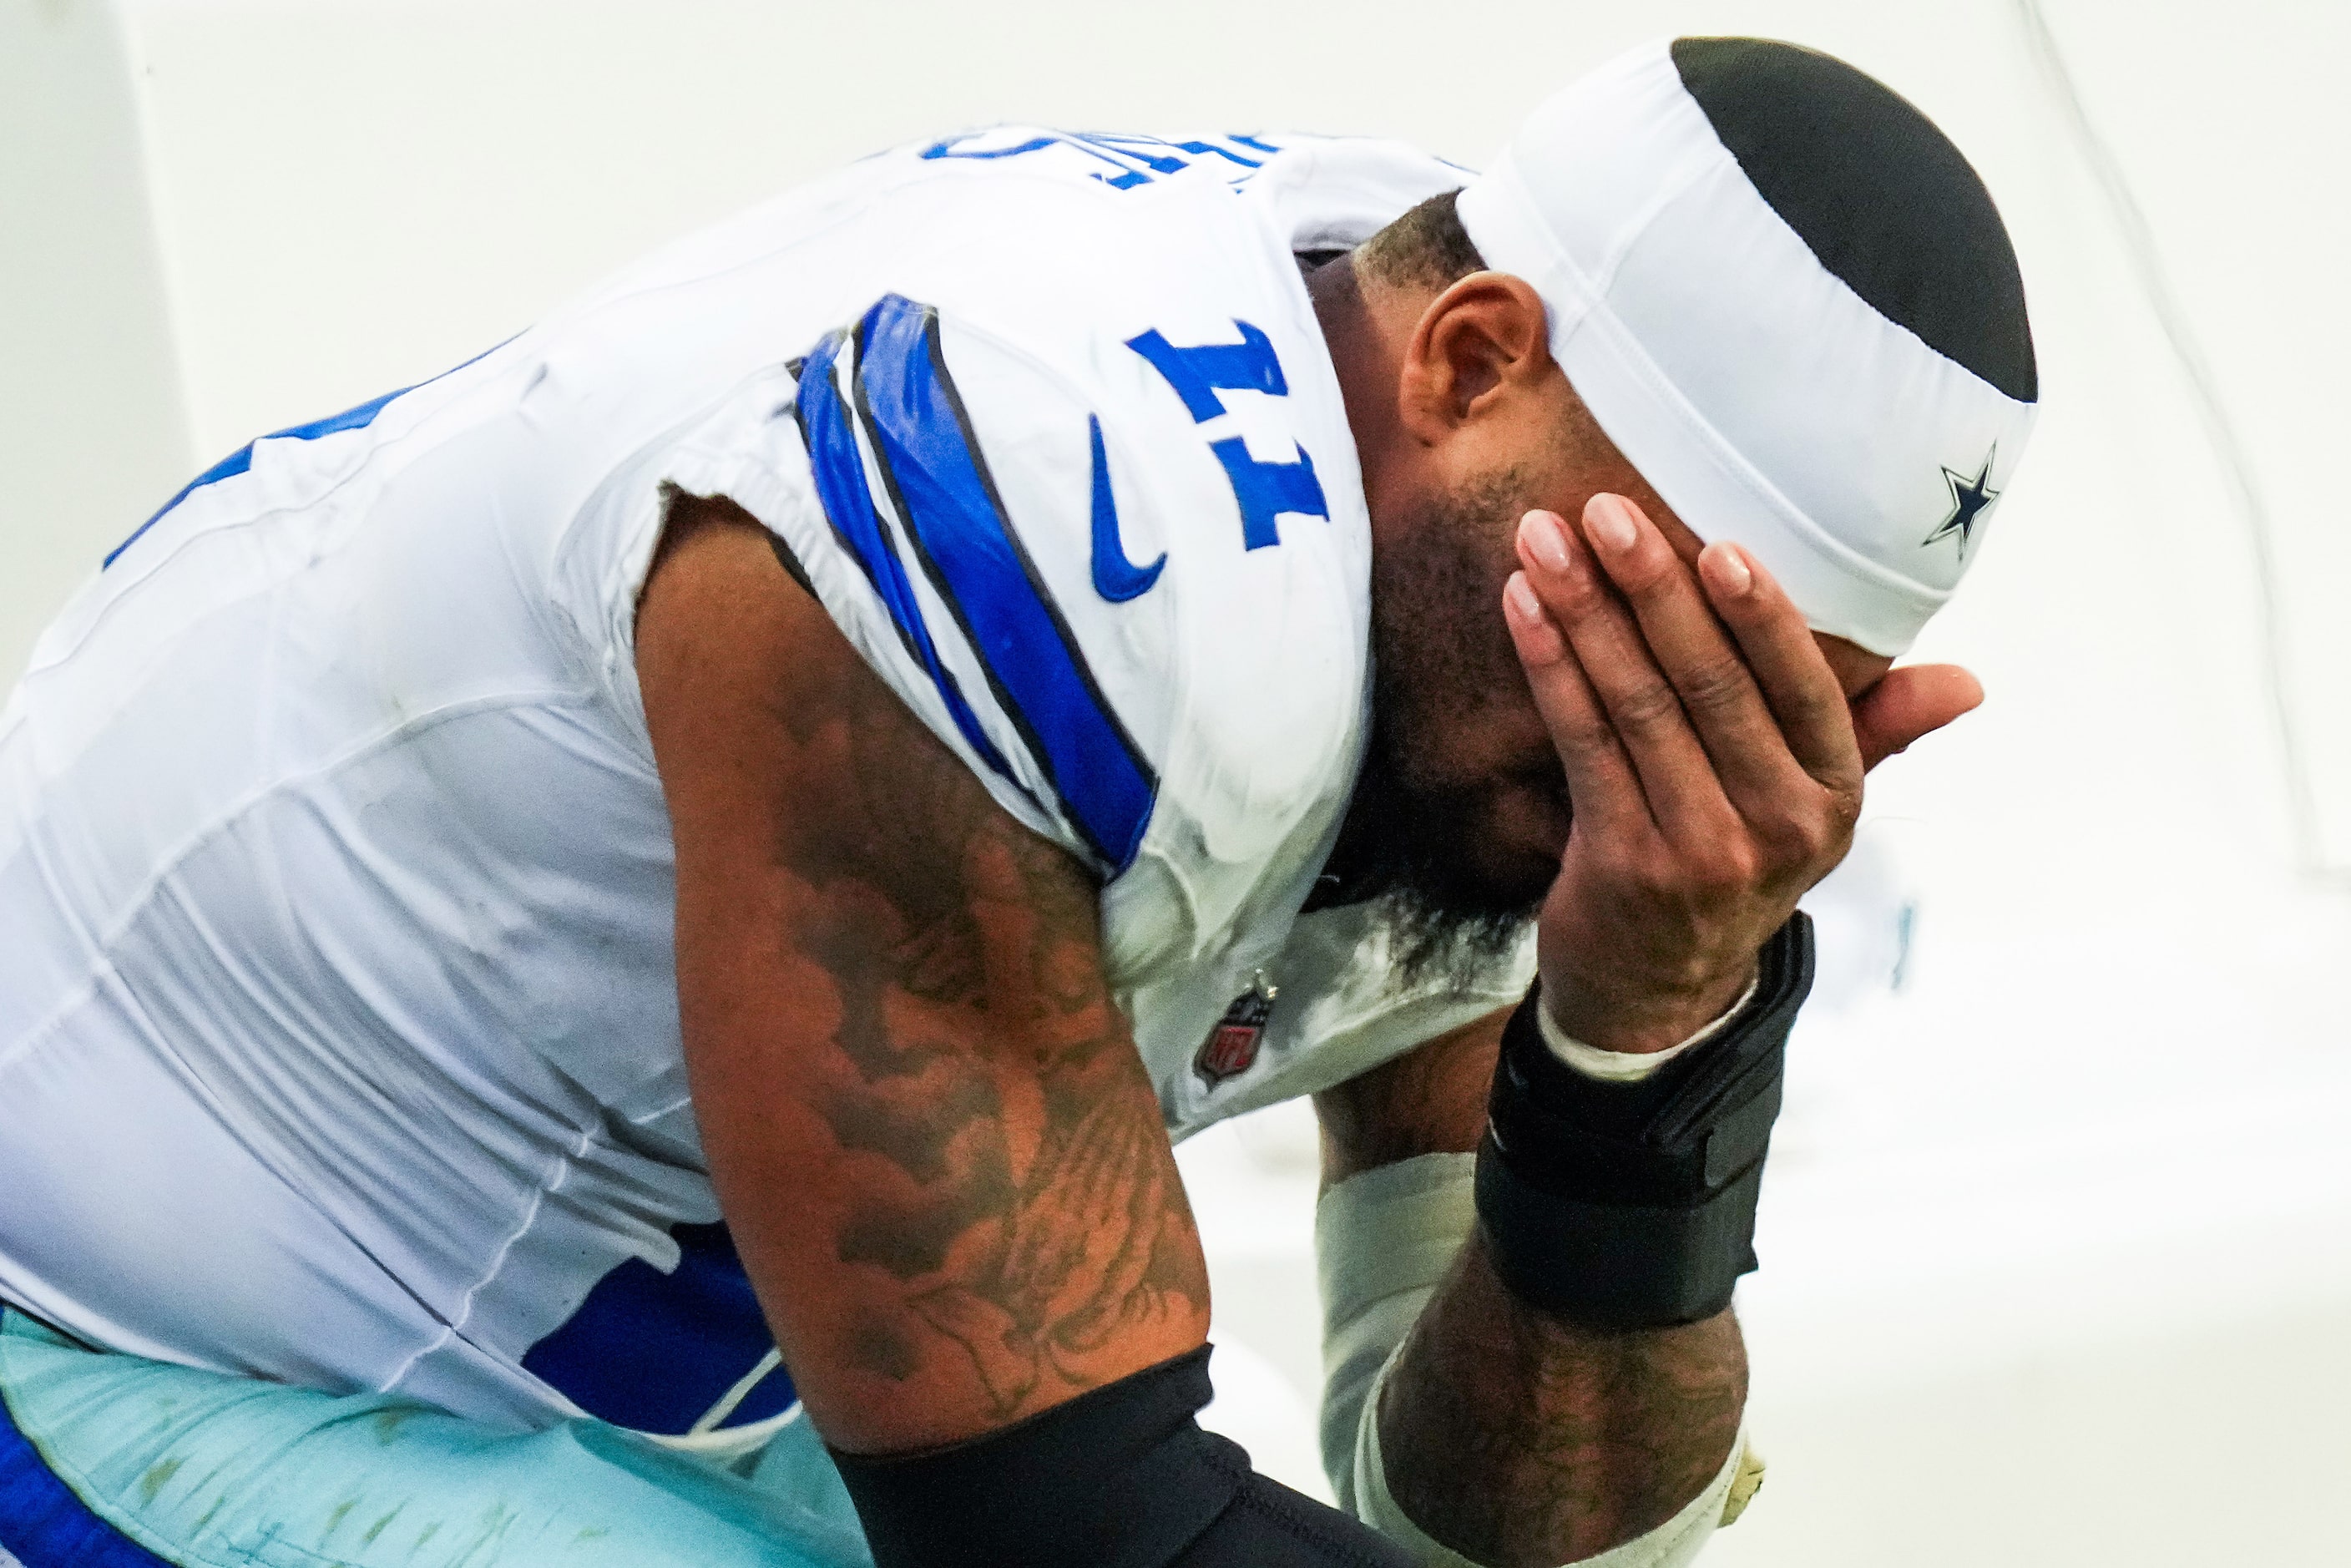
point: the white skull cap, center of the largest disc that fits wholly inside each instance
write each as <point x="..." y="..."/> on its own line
<point x="1814" y="344"/>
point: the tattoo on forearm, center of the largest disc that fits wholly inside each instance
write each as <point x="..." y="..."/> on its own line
<point x="1519" y="1440"/>
<point x="1515" y="1439"/>
<point x="1024" y="1201"/>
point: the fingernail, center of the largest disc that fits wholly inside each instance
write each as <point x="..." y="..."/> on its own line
<point x="1519" y="598"/>
<point x="1546" y="539"/>
<point x="1729" y="565"/>
<point x="1611" y="524"/>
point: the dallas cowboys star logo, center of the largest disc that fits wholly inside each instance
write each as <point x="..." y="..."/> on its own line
<point x="1969" y="500"/>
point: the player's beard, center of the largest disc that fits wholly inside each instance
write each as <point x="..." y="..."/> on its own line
<point x="1411" y="841"/>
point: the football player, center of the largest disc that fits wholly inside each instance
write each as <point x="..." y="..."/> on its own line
<point x="605" y="953"/>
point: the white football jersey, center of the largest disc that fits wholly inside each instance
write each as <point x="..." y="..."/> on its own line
<point x="339" y="1035"/>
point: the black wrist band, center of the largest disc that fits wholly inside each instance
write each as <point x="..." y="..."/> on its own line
<point x="1632" y="1206"/>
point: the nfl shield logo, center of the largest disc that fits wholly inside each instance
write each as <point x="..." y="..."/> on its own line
<point x="1231" y="1049"/>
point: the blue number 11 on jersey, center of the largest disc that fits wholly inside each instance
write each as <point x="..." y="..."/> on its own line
<point x="1198" y="374"/>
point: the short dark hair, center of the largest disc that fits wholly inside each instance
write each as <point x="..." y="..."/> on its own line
<point x="1876" y="192"/>
<point x="1426" y="248"/>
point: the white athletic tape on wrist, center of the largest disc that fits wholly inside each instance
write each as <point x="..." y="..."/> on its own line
<point x="1673" y="1544"/>
<point x="1383" y="1242"/>
<point x="1630" y="1066"/>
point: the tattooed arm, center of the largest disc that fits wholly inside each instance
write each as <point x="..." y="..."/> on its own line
<point x="1516" y="1438"/>
<point x="938" y="1151"/>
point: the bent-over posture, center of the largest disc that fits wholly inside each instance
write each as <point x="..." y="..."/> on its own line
<point x="604" y="954"/>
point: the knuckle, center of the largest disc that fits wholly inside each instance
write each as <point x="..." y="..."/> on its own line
<point x="1581" y="732"/>
<point x="1812" y="832"/>
<point x="1647" y="704"/>
<point x="1794" y="832"/>
<point x="1650" y="877"/>
<point x="1715" y="685"/>
<point x="1703" y="876"/>
<point x="1704" y="887"/>
<point x="1730" y="868"/>
<point x="1816" y="838"/>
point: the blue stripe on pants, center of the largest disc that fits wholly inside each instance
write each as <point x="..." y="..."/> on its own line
<point x="210" y="1470"/>
<point x="43" y="1524"/>
<point x="652" y="1351"/>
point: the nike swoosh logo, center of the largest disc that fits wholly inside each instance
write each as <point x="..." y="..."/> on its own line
<point x="1116" y="578"/>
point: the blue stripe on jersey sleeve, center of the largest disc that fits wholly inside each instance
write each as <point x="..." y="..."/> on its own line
<point x="840" y="489"/>
<point x="940" y="483"/>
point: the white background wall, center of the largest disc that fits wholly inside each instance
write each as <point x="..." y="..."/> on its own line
<point x="2058" y="1237"/>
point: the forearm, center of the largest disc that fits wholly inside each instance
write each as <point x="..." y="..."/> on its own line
<point x="1522" y="1441"/>
<point x="924" y="1115"/>
<point x="1507" y="1432"/>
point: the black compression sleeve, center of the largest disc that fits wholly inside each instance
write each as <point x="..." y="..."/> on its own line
<point x="1122" y="1477"/>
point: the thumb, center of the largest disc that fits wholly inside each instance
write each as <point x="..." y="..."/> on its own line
<point x="1911" y="702"/>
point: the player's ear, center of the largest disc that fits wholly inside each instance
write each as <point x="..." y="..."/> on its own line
<point x="1480" y="346"/>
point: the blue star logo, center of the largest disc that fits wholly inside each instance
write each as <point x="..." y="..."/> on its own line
<point x="1969" y="500"/>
